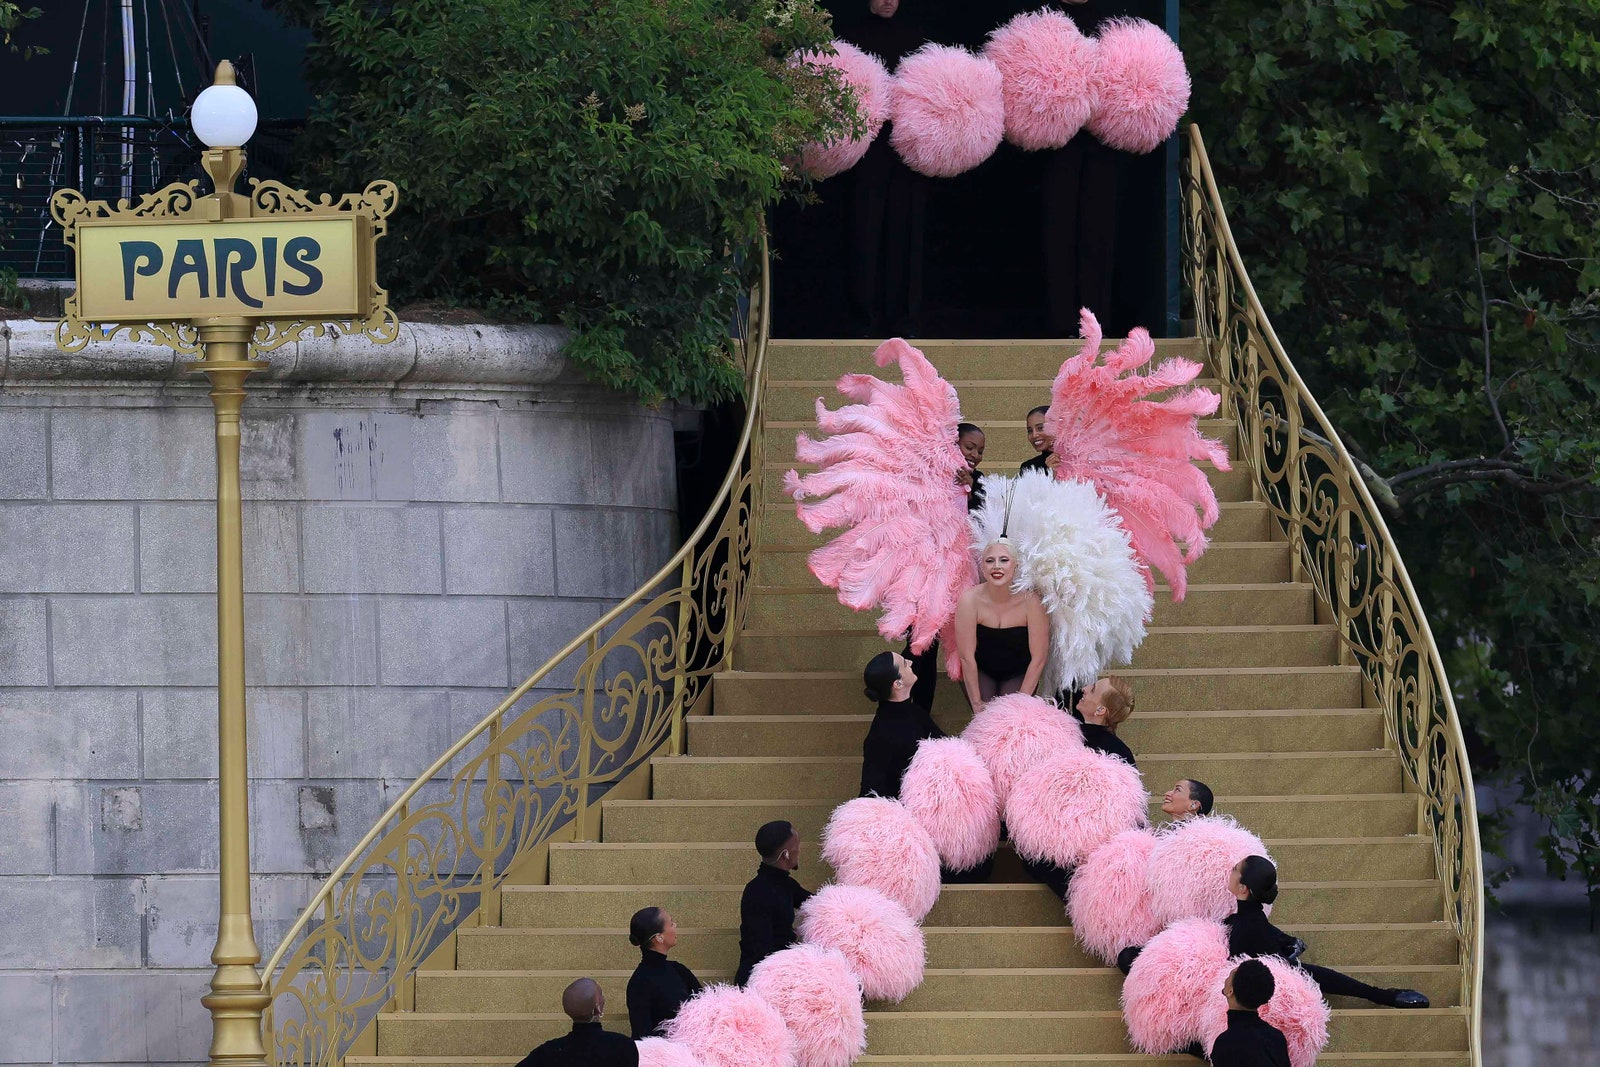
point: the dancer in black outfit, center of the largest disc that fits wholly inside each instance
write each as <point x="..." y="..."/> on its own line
<point x="1103" y="707"/>
<point x="888" y="202"/>
<point x="766" y="910"/>
<point x="659" y="986"/>
<point x="588" y="1044"/>
<point x="1254" y="881"/>
<point x="1039" y="440"/>
<point x="899" y="723"/>
<point x="1249" y="1040"/>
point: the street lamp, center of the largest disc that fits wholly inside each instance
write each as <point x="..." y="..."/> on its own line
<point x="225" y="277"/>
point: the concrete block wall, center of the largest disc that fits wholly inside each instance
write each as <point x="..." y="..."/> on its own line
<point x="425" y="524"/>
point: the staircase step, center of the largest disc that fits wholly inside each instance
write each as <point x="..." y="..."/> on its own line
<point x="1295" y="730"/>
<point x="812" y="607"/>
<point x="983" y="362"/>
<point x="999" y="408"/>
<point x="950" y="989"/>
<point x="1360" y="814"/>
<point x="1229" y="562"/>
<point x="1164" y="646"/>
<point x="912" y="1033"/>
<point x="1125" y="1059"/>
<point x="1013" y="906"/>
<point x="1234" y="485"/>
<point x="838" y="778"/>
<point x="728" y="863"/>
<point x="1238" y="520"/>
<point x="1157" y="689"/>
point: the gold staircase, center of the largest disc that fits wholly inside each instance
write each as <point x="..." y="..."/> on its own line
<point x="1297" y="678"/>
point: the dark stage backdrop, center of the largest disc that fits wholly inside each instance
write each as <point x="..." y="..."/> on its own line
<point x="983" y="257"/>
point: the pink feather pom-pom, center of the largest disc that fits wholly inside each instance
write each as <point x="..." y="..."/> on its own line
<point x="1108" y="903"/>
<point x="1296" y="1009"/>
<point x="882" y="944"/>
<point x="1189" y="868"/>
<point x="1014" y="732"/>
<point x="1144" y="86"/>
<point x="659" y="1052"/>
<point x="949" y="791"/>
<point x="947" y="110"/>
<point x="875" y="842"/>
<point x="725" y="1026"/>
<point x="819" y="997"/>
<point x="863" y="74"/>
<point x="1049" y="80"/>
<point x="1066" y="806"/>
<point x="1165" y="1002"/>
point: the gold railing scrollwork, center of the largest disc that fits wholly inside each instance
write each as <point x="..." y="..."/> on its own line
<point x="529" y="769"/>
<point x="1340" y="544"/>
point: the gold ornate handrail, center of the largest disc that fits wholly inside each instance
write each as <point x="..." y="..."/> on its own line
<point x="491" y="800"/>
<point x="1340" y="544"/>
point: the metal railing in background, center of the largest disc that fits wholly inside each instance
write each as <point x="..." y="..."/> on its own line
<point x="503" y="790"/>
<point x="106" y="158"/>
<point x="1341" y="545"/>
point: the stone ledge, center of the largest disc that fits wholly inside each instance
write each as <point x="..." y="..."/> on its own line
<point x="424" y="354"/>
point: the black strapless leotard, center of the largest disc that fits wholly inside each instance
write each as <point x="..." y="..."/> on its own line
<point x="1002" y="652"/>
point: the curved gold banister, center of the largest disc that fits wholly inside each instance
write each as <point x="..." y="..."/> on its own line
<point x="1341" y="545"/>
<point x="521" y="774"/>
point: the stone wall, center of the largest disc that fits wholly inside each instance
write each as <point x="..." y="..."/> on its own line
<point x="425" y="524"/>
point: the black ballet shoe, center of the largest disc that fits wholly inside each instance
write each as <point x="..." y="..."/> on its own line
<point x="1407" y="998"/>
<point x="1196" y="1050"/>
<point x="1126" y="957"/>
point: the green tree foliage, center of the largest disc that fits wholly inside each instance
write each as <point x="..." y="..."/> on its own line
<point x="1416" y="187"/>
<point x="604" y="165"/>
<point x="12" y="16"/>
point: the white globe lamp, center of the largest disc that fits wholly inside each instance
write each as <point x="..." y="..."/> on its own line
<point x="223" y="115"/>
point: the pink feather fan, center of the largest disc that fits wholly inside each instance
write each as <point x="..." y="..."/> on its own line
<point x="659" y="1052"/>
<point x="883" y="945"/>
<point x="948" y="110"/>
<point x="863" y="75"/>
<point x="1067" y="805"/>
<point x="886" y="472"/>
<point x="1139" y="453"/>
<point x="819" y="997"/>
<point x="1296" y="1009"/>
<point x="875" y="842"/>
<point x="1190" y="866"/>
<point x="951" y="793"/>
<point x="725" y="1026"/>
<point x="1166" y="998"/>
<point x="1048" y="78"/>
<point x="1143" y="84"/>
<point x="1013" y="732"/>
<point x="1108" y="902"/>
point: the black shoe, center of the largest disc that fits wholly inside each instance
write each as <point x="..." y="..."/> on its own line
<point x="1196" y="1050"/>
<point x="1126" y="957"/>
<point x="1407" y="998"/>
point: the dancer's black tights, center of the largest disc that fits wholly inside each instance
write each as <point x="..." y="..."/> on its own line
<point x="1332" y="983"/>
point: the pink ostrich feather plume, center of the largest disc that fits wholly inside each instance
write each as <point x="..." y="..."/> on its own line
<point x="886" y="473"/>
<point x="864" y="76"/>
<point x="882" y="944"/>
<point x="1108" y="903"/>
<point x="948" y="110"/>
<point x="1068" y="804"/>
<point x="950" y="792"/>
<point x="1296" y="1009"/>
<point x="1190" y="866"/>
<point x="725" y="1026"/>
<point x="819" y="997"/>
<point x="659" y="1052"/>
<point x="1139" y="453"/>
<point x="1163" y="1003"/>
<point x="1049" y="78"/>
<point x="876" y="842"/>
<point x="1143" y="84"/>
<point x="1012" y="733"/>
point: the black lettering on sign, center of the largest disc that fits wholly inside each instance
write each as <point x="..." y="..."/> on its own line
<point x="298" y="254"/>
<point x="269" y="263"/>
<point x="139" y="257"/>
<point x="189" y="257"/>
<point x="235" y="255"/>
